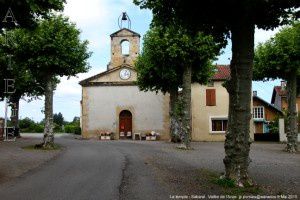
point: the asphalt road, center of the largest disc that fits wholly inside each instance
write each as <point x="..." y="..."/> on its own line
<point x="83" y="171"/>
<point x="90" y="169"/>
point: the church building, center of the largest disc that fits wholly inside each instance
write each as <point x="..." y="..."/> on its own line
<point x="111" y="100"/>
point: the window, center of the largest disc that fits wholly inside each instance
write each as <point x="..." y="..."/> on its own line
<point x="125" y="47"/>
<point x="210" y="97"/>
<point x="258" y="112"/>
<point x="218" y="125"/>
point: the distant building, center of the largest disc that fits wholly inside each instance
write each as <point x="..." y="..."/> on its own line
<point x="279" y="97"/>
<point x="264" y="113"/>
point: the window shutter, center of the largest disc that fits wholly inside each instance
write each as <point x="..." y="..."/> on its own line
<point x="210" y="97"/>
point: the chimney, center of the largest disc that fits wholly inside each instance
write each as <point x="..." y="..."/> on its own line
<point x="254" y="93"/>
<point x="283" y="85"/>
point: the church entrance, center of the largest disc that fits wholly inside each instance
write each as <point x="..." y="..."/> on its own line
<point x="125" y="124"/>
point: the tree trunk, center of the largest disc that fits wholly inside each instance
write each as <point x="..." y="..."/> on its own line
<point x="48" y="140"/>
<point x="292" y="130"/>
<point x="174" y="123"/>
<point x="15" y="99"/>
<point x="237" y="143"/>
<point x="186" y="101"/>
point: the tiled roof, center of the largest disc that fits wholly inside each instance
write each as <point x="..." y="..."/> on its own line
<point x="222" y="73"/>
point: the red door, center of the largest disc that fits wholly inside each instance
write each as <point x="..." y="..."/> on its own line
<point x="125" y="123"/>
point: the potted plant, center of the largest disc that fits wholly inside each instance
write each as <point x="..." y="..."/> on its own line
<point x="107" y="135"/>
<point x="148" y="136"/>
<point x="102" y="135"/>
<point x="153" y="135"/>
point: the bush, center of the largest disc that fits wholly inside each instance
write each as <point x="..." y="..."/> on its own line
<point x="57" y="128"/>
<point x="39" y="128"/>
<point x="33" y="128"/>
<point x="77" y="130"/>
<point x="71" y="128"/>
<point x="26" y="123"/>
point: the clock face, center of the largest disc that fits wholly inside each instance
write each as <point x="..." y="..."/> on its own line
<point x="125" y="74"/>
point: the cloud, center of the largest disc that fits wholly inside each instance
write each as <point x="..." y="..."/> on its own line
<point x="71" y="86"/>
<point x="262" y="35"/>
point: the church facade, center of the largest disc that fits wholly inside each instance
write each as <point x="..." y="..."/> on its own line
<point x="112" y="102"/>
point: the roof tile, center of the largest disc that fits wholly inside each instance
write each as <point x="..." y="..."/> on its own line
<point x="222" y="73"/>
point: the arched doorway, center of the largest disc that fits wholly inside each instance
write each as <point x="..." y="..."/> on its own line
<point x="125" y="124"/>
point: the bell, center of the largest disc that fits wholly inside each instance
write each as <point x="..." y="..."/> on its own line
<point x="124" y="17"/>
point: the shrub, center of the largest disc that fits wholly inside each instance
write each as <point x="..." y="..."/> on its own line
<point x="77" y="130"/>
<point x="26" y="123"/>
<point x="71" y="128"/>
<point x="39" y="128"/>
<point x="57" y="128"/>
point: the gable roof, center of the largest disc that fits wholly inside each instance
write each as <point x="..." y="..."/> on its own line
<point x="222" y="73"/>
<point x="268" y="104"/>
<point x="126" y="29"/>
<point x="278" y="90"/>
<point x="87" y="80"/>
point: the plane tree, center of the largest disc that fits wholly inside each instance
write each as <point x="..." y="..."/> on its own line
<point x="20" y="14"/>
<point x="172" y="58"/>
<point x="52" y="50"/>
<point x="235" y="19"/>
<point x="279" y="58"/>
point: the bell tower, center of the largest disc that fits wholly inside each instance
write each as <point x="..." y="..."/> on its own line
<point x="125" y="44"/>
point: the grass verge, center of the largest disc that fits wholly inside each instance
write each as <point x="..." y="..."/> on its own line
<point x="229" y="187"/>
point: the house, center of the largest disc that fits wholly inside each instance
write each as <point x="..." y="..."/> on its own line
<point x="264" y="114"/>
<point x="111" y="100"/>
<point x="279" y="97"/>
<point x="210" y="107"/>
<point x="279" y="100"/>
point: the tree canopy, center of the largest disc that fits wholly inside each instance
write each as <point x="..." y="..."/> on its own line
<point x="58" y="119"/>
<point x="14" y="68"/>
<point x="218" y="16"/>
<point x="166" y="51"/>
<point x="27" y="12"/>
<point x="54" y="49"/>
<point x="279" y="56"/>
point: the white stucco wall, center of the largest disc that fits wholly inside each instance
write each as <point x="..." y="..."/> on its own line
<point x="104" y="103"/>
<point x="202" y="114"/>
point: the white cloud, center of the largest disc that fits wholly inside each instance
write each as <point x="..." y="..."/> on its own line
<point x="262" y="35"/>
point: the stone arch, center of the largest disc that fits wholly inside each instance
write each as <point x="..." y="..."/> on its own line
<point x="125" y="47"/>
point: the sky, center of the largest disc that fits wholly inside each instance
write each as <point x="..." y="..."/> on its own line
<point x="97" y="19"/>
